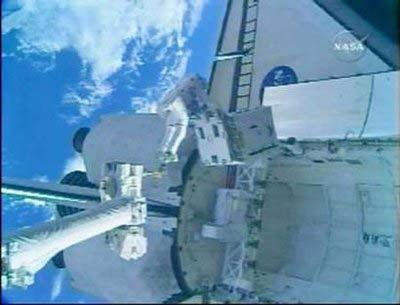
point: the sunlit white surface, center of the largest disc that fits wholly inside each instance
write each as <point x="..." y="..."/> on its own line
<point x="98" y="270"/>
<point x="338" y="108"/>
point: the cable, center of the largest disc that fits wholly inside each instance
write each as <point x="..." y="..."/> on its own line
<point x="369" y="107"/>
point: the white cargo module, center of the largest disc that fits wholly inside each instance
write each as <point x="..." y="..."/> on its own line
<point x="277" y="184"/>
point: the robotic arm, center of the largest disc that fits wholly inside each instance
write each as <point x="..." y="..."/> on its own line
<point x="121" y="214"/>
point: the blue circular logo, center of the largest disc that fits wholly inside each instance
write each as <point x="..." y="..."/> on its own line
<point x="278" y="76"/>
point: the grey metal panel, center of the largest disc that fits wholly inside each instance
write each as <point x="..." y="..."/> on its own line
<point x="361" y="106"/>
<point x="230" y="35"/>
<point x="115" y="137"/>
<point x="385" y="17"/>
<point x="299" y="34"/>
<point x="384" y="114"/>
<point x="223" y="73"/>
<point x="344" y="266"/>
<point x="97" y="270"/>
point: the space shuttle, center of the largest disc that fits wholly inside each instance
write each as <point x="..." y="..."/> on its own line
<point x="275" y="181"/>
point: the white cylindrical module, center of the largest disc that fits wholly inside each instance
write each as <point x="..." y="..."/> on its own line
<point x="120" y="138"/>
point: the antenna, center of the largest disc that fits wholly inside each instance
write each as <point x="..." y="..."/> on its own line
<point x="73" y="196"/>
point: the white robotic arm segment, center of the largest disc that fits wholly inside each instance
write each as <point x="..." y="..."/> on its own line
<point x="123" y="210"/>
<point x="28" y="251"/>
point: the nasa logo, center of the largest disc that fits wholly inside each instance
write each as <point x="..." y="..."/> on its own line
<point x="348" y="47"/>
<point x="353" y="46"/>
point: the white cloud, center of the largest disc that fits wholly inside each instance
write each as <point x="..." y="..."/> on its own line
<point x="41" y="178"/>
<point x="87" y="96"/>
<point x="74" y="163"/>
<point x="196" y="7"/>
<point x="7" y="55"/>
<point x="38" y="203"/>
<point x="106" y="35"/>
<point x="168" y="76"/>
<point x="57" y="285"/>
<point x="34" y="202"/>
<point x="24" y="206"/>
<point x="27" y="211"/>
<point x="142" y="105"/>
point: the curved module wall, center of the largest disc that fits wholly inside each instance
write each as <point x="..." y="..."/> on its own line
<point x="329" y="229"/>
